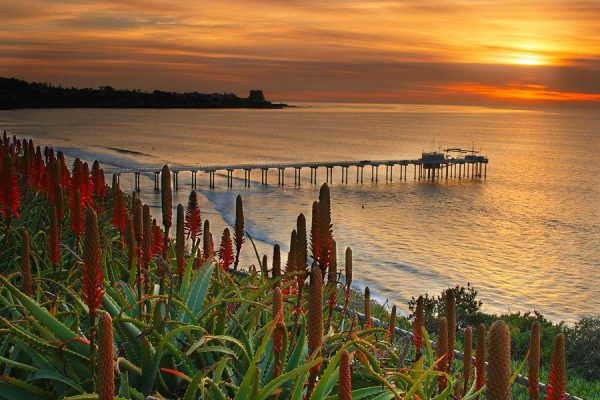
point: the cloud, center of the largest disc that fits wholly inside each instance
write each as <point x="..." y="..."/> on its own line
<point x="385" y="50"/>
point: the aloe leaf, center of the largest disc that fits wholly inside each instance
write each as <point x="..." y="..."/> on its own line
<point x="198" y="290"/>
<point x="246" y="386"/>
<point x="61" y="331"/>
<point x="300" y="350"/>
<point x="51" y="375"/>
<point x="270" y="388"/>
<point x="363" y="393"/>
<point x="329" y="376"/>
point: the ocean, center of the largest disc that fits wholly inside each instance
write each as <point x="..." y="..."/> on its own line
<point x="527" y="237"/>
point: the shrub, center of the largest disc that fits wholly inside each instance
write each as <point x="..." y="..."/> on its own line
<point x="583" y="347"/>
<point x="467" y="307"/>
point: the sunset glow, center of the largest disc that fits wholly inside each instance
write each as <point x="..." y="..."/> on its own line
<point x="401" y="51"/>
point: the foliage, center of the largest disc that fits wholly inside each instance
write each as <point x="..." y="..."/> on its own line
<point x="467" y="307"/>
<point x="197" y="331"/>
<point x="583" y="344"/>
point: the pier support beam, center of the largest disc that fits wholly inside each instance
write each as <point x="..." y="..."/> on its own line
<point x="176" y="180"/>
<point x="156" y="180"/>
<point x="264" y="176"/>
<point x="297" y="176"/>
<point x="137" y="181"/>
<point x="211" y="179"/>
<point x="281" y="176"/>
<point x="247" y="177"/>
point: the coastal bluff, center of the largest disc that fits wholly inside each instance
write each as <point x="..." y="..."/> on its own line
<point x="17" y="93"/>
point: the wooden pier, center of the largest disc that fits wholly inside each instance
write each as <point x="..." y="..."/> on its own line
<point x="431" y="166"/>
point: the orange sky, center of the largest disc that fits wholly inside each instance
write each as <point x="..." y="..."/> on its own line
<point x="440" y="51"/>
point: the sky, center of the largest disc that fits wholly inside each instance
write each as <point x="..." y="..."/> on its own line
<point x="480" y="52"/>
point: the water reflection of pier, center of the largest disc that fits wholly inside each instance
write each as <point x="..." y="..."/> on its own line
<point x="431" y="166"/>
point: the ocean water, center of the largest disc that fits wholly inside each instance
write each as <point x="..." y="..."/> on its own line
<point x="527" y="237"/>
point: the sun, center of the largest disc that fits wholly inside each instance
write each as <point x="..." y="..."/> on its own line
<point x="528" y="59"/>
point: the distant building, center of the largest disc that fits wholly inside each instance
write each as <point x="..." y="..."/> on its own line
<point x="257" y="96"/>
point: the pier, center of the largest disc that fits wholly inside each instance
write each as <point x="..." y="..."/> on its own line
<point x="432" y="166"/>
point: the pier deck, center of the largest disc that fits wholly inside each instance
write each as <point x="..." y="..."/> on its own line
<point x="430" y="167"/>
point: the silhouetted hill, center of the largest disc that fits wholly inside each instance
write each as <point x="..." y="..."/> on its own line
<point x="16" y="93"/>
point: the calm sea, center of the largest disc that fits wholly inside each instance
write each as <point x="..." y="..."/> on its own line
<point x="528" y="237"/>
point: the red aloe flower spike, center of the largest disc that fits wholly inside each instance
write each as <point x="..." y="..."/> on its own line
<point x="238" y="232"/>
<point x="76" y="212"/>
<point x="193" y="219"/>
<point x="226" y="250"/>
<point x="157" y="238"/>
<point x="180" y="242"/>
<point x="206" y="238"/>
<point x="314" y="327"/>
<point x="96" y="180"/>
<point x="91" y="279"/>
<point x="557" y="380"/>
<point x="418" y="325"/>
<point x="10" y="197"/>
<point x="54" y="240"/>
<point x="65" y="174"/>
<point x="77" y="176"/>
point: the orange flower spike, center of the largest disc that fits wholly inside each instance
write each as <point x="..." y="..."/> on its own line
<point x="392" y="325"/>
<point x="480" y="358"/>
<point x="451" y="317"/>
<point x="345" y="380"/>
<point x="467" y="359"/>
<point x="499" y="371"/>
<point x="106" y="361"/>
<point x="167" y="205"/>
<point x="418" y="325"/>
<point x="442" y="351"/>
<point x="368" y="323"/>
<point x="557" y="380"/>
<point x="533" y="362"/>
<point x="315" y="323"/>
<point x="238" y="232"/>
